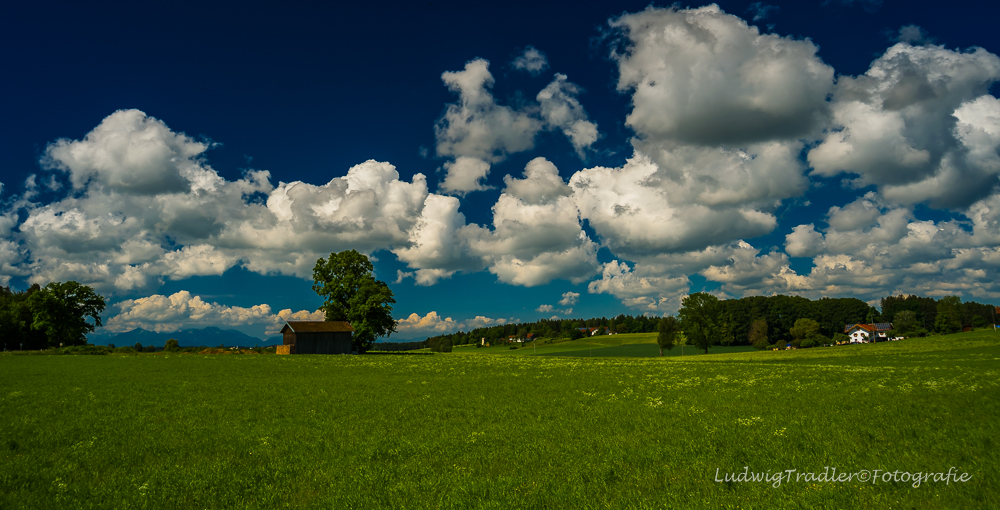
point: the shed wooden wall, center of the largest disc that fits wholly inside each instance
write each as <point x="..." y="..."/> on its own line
<point x="319" y="343"/>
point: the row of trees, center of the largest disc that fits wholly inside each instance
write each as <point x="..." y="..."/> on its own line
<point x="50" y="316"/>
<point x="760" y="321"/>
<point x="767" y="321"/>
<point x="917" y="314"/>
<point x="545" y="328"/>
<point x="754" y="320"/>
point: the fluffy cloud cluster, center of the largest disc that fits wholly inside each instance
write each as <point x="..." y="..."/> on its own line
<point x="705" y="77"/>
<point x="127" y="234"/>
<point x="431" y="324"/>
<point x="536" y="235"/>
<point x="721" y="114"/>
<point x="561" y="110"/>
<point x="872" y="245"/>
<point x="183" y="310"/>
<point x="920" y="125"/>
<point x="729" y="125"/>
<point x="145" y="206"/>
<point x="531" y="60"/>
<point x="568" y="300"/>
<point x="477" y="131"/>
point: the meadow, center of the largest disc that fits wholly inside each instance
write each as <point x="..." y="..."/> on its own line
<point x="504" y="431"/>
<point x="636" y="345"/>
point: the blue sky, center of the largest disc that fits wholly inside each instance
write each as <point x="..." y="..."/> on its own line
<point x="499" y="162"/>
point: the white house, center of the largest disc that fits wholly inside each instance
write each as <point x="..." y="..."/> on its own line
<point x="863" y="333"/>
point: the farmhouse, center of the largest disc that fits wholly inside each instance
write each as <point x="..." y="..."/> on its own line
<point x="316" y="337"/>
<point x="863" y="333"/>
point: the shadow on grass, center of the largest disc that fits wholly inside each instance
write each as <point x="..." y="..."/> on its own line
<point x="646" y="351"/>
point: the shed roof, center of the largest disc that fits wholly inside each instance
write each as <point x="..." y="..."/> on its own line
<point x="317" y="326"/>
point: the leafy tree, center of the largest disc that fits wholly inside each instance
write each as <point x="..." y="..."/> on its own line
<point x="16" y="319"/>
<point x="698" y="319"/>
<point x="949" y="315"/>
<point x="667" y="332"/>
<point x="171" y="346"/>
<point x="137" y="347"/>
<point x="758" y="334"/>
<point x="440" y="344"/>
<point x="904" y="321"/>
<point x="924" y="307"/>
<point x="804" y="328"/>
<point x="60" y="309"/>
<point x="352" y="294"/>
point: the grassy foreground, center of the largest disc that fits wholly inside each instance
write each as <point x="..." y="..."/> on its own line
<point x="452" y="431"/>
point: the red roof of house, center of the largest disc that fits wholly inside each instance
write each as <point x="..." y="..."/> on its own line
<point x="317" y="326"/>
<point x="880" y="326"/>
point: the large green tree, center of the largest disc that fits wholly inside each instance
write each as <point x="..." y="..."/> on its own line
<point x="804" y="328"/>
<point x="352" y="294"/>
<point x="61" y="309"/>
<point x="949" y="315"/>
<point x="667" y="332"/>
<point x="904" y="321"/>
<point x="699" y="319"/>
<point x="16" y="320"/>
<point x="758" y="334"/>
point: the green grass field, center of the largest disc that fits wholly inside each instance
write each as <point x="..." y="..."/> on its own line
<point x="510" y="430"/>
<point x="635" y="345"/>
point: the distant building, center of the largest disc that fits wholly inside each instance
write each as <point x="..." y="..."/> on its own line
<point x="866" y="333"/>
<point x="316" y="337"/>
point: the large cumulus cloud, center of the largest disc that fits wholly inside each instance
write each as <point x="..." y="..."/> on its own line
<point x="477" y="130"/>
<point x="918" y="124"/>
<point x="705" y="77"/>
<point x="731" y="129"/>
<point x="126" y="235"/>
<point x="535" y="236"/>
<point x="124" y="229"/>
<point x="183" y="310"/>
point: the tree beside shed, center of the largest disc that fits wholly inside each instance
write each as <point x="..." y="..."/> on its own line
<point x="316" y="337"/>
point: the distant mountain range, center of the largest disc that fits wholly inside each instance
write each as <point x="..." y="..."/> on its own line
<point x="209" y="337"/>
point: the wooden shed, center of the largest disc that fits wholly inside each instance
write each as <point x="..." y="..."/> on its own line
<point x="316" y="337"/>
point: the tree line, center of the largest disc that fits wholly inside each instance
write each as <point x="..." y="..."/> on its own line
<point x="778" y="321"/>
<point x="51" y="316"/>
<point x="760" y="321"/>
<point x="544" y="328"/>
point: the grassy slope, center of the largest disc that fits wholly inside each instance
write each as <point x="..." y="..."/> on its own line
<point x="445" y="431"/>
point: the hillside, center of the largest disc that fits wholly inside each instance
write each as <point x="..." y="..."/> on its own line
<point x="210" y="336"/>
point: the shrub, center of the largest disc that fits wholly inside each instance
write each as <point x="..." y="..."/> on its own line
<point x="81" y="349"/>
<point x="124" y="350"/>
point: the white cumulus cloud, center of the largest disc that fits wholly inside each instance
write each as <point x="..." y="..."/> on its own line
<point x="919" y="125"/>
<point x="531" y="60"/>
<point x="569" y="298"/>
<point x="182" y="310"/>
